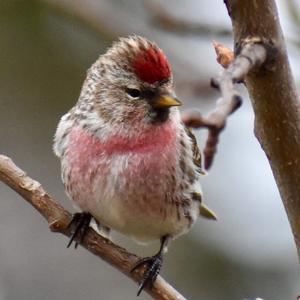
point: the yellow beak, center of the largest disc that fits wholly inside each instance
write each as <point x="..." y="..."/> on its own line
<point x="165" y="101"/>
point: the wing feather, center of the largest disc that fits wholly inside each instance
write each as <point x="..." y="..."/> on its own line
<point x="197" y="157"/>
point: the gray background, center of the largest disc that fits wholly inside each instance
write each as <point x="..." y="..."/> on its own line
<point x="44" y="54"/>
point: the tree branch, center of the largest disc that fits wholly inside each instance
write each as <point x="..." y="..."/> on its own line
<point x="59" y="219"/>
<point x="252" y="55"/>
<point x="274" y="99"/>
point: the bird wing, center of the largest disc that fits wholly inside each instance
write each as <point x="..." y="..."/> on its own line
<point x="197" y="158"/>
<point x="204" y="211"/>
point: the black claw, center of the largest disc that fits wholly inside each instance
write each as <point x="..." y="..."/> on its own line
<point x="81" y="222"/>
<point x="154" y="263"/>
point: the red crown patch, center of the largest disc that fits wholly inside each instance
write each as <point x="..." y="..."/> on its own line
<point x="151" y="65"/>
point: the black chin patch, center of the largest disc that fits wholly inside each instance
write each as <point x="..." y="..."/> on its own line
<point x="159" y="115"/>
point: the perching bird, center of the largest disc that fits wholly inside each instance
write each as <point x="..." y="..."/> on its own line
<point x="127" y="159"/>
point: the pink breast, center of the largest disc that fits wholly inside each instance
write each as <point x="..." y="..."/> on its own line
<point x="152" y="156"/>
<point x="83" y="144"/>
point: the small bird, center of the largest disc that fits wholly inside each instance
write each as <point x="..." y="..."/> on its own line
<point x="127" y="159"/>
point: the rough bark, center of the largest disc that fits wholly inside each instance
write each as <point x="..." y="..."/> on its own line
<point x="274" y="99"/>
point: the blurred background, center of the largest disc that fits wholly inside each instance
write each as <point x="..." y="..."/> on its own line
<point x="46" y="47"/>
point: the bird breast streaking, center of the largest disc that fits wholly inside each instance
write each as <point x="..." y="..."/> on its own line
<point x="127" y="160"/>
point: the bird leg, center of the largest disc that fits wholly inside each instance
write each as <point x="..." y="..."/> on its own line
<point x="80" y="224"/>
<point x="154" y="265"/>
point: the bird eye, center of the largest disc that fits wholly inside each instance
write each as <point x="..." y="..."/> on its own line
<point x="134" y="93"/>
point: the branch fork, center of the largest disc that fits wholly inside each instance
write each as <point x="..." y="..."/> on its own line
<point x="252" y="55"/>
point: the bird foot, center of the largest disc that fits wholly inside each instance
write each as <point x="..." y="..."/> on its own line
<point x="80" y="222"/>
<point x="154" y="265"/>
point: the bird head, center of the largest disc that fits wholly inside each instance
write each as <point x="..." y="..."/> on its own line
<point x="133" y="83"/>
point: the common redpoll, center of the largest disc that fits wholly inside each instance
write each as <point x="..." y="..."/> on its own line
<point x="127" y="160"/>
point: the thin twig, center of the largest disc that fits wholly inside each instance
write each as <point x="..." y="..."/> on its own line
<point x="252" y="54"/>
<point x="59" y="219"/>
<point x="162" y="18"/>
